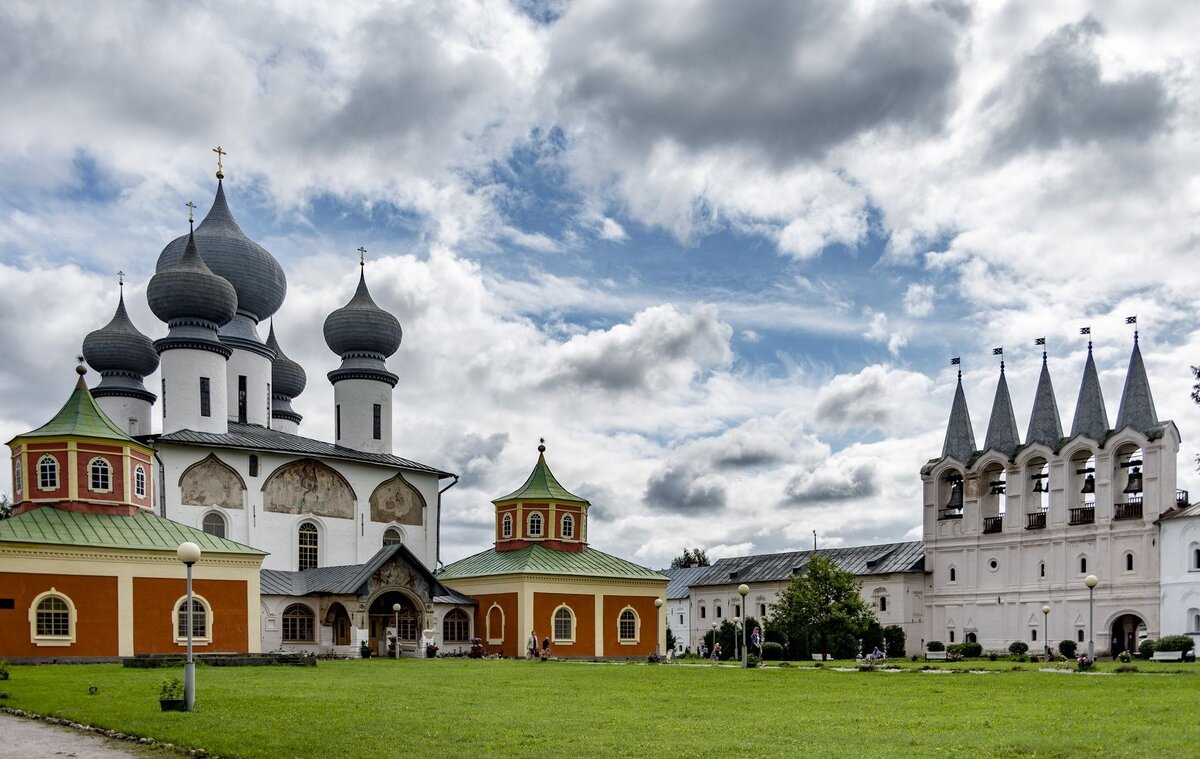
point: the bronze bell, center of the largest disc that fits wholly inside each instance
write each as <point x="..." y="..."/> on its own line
<point x="1038" y="487"/>
<point x="1089" y="484"/>
<point x="956" y="495"/>
<point x="1135" y="481"/>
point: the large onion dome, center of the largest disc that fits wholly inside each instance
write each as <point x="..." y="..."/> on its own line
<point x="187" y="289"/>
<point x="287" y="377"/>
<point x="360" y="326"/>
<point x="118" y="346"/>
<point x="254" y="273"/>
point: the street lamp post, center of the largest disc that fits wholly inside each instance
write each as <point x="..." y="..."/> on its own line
<point x="1046" y="630"/>
<point x="743" y="589"/>
<point x="189" y="554"/>
<point x="396" y="609"/>
<point x="737" y="628"/>
<point x="658" y="618"/>
<point x="1091" y="581"/>
<point x="713" y="650"/>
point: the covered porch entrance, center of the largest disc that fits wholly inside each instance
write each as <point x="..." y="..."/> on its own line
<point x="383" y="619"/>
<point x="1128" y="631"/>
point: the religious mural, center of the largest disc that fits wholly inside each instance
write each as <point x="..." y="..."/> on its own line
<point x="395" y="500"/>
<point x="212" y="482"/>
<point x="308" y="487"/>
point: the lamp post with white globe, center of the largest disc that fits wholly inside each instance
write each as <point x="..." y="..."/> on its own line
<point x="189" y="554"/>
<point x="1046" y="630"/>
<point x="743" y="589"/>
<point x="396" y="609"/>
<point x="658" y="617"/>
<point x="1091" y="581"/>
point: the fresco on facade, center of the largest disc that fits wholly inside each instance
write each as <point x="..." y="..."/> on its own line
<point x="308" y="487"/>
<point x="397" y="501"/>
<point x="212" y="482"/>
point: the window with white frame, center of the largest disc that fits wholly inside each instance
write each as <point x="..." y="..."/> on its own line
<point x="47" y="473"/>
<point x="506" y="526"/>
<point x="568" y="526"/>
<point x="627" y="626"/>
<point x="139" y="481"/>
<point x="298" y="624"/>
<point x="1195" y="557"/>
<point x="456" y="626"/>
<point x="214" y="524"/>
<point x="1194" y="619"/>
<point x="564" y="625"/>
<point x="392" y="536"/>
<point x="307" y="545"/>
<point x="201" y="620"/>
<point x="52" y="619"/>
<point x="495" y="624"/>
<point x="18" y="480"/>
<point x="99" y="475"/>
<point x="535" y="524"/>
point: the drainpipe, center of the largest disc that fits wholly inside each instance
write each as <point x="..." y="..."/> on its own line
<point x="437" y="535"/>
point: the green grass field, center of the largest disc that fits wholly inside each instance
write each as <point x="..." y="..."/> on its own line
<point x="461" y="707"/>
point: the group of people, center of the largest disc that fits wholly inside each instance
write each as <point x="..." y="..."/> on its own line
<point x="754" y="646"/>
<point x="532" y="650"/>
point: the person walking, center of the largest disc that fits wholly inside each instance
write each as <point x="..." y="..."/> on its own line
<point x="531" y="650"/>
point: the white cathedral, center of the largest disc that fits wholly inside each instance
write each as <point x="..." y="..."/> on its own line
<point x="350" y="527"/>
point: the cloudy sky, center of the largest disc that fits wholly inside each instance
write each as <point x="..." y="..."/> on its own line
<point x="718" y="254"/>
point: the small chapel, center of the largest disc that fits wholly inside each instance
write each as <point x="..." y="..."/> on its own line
<point x="541" y="580"/>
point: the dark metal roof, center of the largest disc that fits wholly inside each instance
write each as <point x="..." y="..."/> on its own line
<point x="255" y="437"/>
<point x="538" y="560"/>
<point x="881" y="559"/>
<point x="681" y="580"/>
<point x="287" y="377"/>
<point x="1091" y="418"/>
<point x="1178" y="513"/>
<point x="351" y="578"/>
<point x="1045" y="424"/>
<point x="119" y="347"/>
<point x="360" y="326"/>
<point x="186" y="288"/>
<point x="960" y="438"/>
<point x="1137" y="405"/>
<point x="1002" y="434"/>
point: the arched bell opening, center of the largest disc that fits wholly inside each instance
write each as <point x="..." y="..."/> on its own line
<point x="1037" y="493"/>
<point x="1127" y="474"/>
<point x="993" y="500"/>
<point x="950" y="495"/>
<point x="1083" y="488"/>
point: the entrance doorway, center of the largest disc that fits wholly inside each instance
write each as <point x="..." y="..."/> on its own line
<point x="1126" y="631"/>
<point x="339" y="620"/>
<point x="382" y="617"/>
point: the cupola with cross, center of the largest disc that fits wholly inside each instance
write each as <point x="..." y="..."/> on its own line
<point x="541" y="512"/>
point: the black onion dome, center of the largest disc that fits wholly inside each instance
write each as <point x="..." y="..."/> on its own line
<point x="360" y="326"/>
<point x="119" y="347"/>
<point x="188" y="289"/>
<point x="287" y="377"/>
<point x="254" y="273"/>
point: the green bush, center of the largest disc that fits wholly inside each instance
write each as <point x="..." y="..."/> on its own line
<point x="772" y="651"/>
<point x="872" y="638"/>
<point x="893" y="636"/>
<point x="1018" y="648"/>
<point x="965" y="650"/>
<point x="935" y="645"/>
<point x="1067" y="648"/>
<point x="1174" y="643"/>
<point x="1146" y="648"/>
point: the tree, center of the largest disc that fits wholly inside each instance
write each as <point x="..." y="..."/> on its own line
<point x="691" y="557"/>
<point x="822" y="609"/>
<point x="670" y="639"/>
<point x="5" y="507"/>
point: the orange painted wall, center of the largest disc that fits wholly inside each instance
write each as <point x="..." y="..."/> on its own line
<point x="584" y="607"/>
<point x="154" y="598"/>
<point x="512" y="644"/>
<point x="95" y="600"/>
<point x="649" y="628"/>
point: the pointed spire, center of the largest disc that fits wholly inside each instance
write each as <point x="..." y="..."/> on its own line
<point x="960" y="438"/>
<point x="1045" y="425"/>
<point x="1091" y="418"/>
<point x="1137" y="405"/>
<point x="1002" y="434"/>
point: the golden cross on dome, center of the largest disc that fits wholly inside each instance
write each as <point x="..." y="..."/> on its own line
<point x="220" y="154"/>
<point x="191" y="211"/>
<point x="362" y="256"/>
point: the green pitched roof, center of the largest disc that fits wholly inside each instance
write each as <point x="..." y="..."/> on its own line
<point x="80" y="416"/>
<point x="541" y="486"/>
<point x="141" y="531"/>
<point x="536" y="560"/>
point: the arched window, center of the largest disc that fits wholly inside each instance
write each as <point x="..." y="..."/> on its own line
<point x="535" y="525"/>
<point x="53" y="618"/>
<point x="951" y="636"/>
<point x="627" y="626"/>
<point x="568" y="526"/>
<point x="100" y="475"/>
<point x="48" y="473"/>
<point x="1128" y="562"/>
<point x="1082" y="565"/>
<point x="883" y="603"/>
<point x="307" y="545"/>
<point x="506" y="526"/>
<point x="953" y="574"/>
<point x="737" y="610"/>
<point x="214" y="524"/>
<point x="1041" y="569"/>
<point x="200" y="620"/>
<point x="564" y="625"/>
<point x="1194" y="615"/>
<point x="1033" y="634"/>
<point x="392" y="536"/>
<point x="1079" y="636"/>
<point x="971" y="638"/>
<point x="139" y="481"/>
<point x="495" y="624"/>
<point x="298" y="624"/>
<point x="703" y="611"/>
<point x="455" y="627"/>
<point x="1196" y="558"/>
<point x="718" y="611"/>
<point x="18" y="479"/>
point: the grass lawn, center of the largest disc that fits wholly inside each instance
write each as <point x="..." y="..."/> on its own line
<point x="460" y="707"/>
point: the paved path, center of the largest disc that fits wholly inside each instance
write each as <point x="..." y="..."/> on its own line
<point x="29" y="739"/>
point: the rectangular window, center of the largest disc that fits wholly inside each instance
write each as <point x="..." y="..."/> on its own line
<point x="377" y="422"/>
<point x="253" y="465"/>
<point x="737" y="610"/>
<point x="718" y="612"/>
<point x="681" y="619"/>
<point x="8" y="603"/>
<point x="241" y="399"/>
<point x="337" y="422"/>
<point x="205" y="407"/>
<point x="703" y="612"/>
<point x="1034" y="634"/>
<point x="762" y="610"/>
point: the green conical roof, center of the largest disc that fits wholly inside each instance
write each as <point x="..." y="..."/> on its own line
<point x="541" y="486"/>
<point x="82" y="417"/>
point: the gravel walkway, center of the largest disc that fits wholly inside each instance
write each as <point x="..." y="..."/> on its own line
<point x="30" y="739"/>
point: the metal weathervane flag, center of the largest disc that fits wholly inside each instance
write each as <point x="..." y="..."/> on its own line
<point x="1040" y="341"/>
<point x="1131" y="320"/>
<point x="1085" y="330"/>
